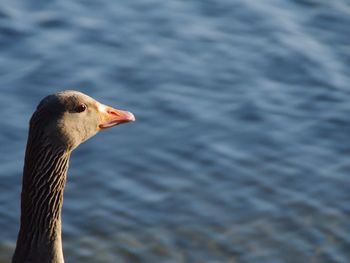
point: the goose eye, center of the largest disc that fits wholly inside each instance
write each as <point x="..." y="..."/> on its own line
<point x="82" y="107"/>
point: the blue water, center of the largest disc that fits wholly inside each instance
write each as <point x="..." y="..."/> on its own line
<point x="241" y="149"/>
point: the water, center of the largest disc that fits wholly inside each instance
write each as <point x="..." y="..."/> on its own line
<point x="240" y="152"/>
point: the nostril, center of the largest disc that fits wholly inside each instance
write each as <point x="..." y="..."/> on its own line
<point x="112" y="112"/>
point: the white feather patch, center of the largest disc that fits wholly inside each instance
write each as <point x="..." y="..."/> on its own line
<point x="102" y="108"/>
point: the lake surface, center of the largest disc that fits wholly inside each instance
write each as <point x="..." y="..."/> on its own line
<point x="241" y="148"/>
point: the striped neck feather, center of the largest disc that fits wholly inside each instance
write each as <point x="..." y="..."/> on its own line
<point x="44" y="177"/>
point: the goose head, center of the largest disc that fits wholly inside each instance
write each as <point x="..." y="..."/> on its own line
<point x="69" y="118"/>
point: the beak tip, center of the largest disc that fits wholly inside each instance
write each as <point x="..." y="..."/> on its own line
<point x="131" y="117"/>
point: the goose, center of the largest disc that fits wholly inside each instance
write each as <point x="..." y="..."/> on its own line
<point x="60" y="123"/>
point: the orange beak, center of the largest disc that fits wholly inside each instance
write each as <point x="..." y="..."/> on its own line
<point x="111" y="117"/>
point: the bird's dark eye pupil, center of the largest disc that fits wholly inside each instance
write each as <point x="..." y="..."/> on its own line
<point x="81" y="108"/>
